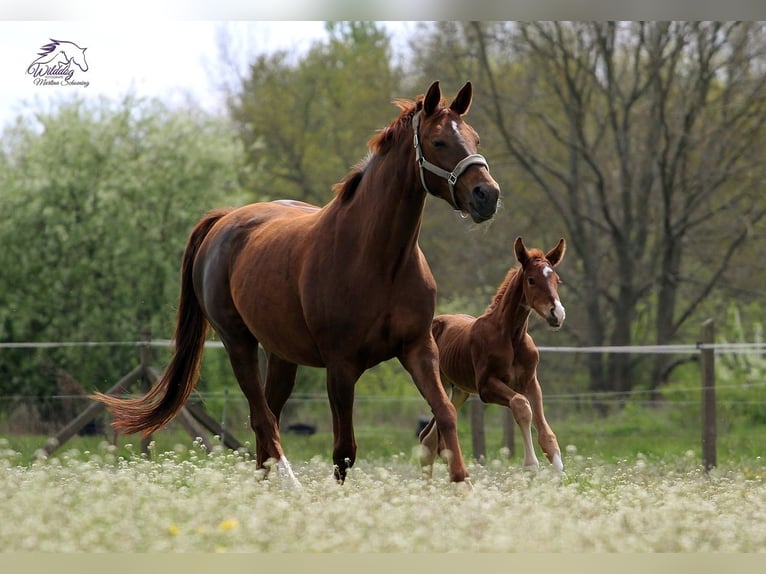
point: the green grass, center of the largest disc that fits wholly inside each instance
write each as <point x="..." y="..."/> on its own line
<point x="634" y="432"/>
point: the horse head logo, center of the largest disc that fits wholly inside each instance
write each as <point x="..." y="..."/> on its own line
<point x="62" y="52"/>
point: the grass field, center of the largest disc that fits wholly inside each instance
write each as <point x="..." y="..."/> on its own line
<point x="91" y="496"/>
<point x="633" y="482"/>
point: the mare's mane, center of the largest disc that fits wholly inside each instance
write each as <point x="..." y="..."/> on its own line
<point x="379" y="144"/>
<point x="534" y="253"/>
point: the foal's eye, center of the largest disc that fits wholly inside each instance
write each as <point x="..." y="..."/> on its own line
<point x="530" y="281"/>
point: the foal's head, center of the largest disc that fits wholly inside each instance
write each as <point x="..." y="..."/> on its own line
<point x="540" y="281"/>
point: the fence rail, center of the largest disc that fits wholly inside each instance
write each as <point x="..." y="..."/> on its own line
<point x="706" y="348"/>
<point x="718" y="348"/>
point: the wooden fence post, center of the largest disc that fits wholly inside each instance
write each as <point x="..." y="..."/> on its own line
<point x="707" y="363"/>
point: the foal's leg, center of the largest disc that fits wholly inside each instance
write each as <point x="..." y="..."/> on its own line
<point x="341" y="380"/>
<point x="545" y="435"/>
<point x="421" y="360"/>
<point x="243" y="355"/>
<point x="431" y="439"/>
<point x="493" y="390"/>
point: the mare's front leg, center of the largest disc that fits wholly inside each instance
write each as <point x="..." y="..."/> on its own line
<point x="545" y="435"/>
<point x="341" y="380"/>
<point x="430" y="438"/>
<point x="493" y="390"/>
<point x="421" y="359"/>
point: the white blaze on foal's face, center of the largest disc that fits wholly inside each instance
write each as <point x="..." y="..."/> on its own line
<point x="556" y="315"/>
<point x="558" y="311"/>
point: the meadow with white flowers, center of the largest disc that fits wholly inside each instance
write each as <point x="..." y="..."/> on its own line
<point x="189" y="500"/>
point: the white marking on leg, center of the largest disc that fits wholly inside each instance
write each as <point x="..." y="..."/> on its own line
<point x="557" y="463"/>
<point x="286" y="473"/>
<point x="530" y="460"/>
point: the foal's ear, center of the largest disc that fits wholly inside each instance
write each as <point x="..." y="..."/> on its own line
<point x="556" y="254"/>
<point x="462" y="101"/>
<point x="522" y="255"/>
<point x="432" y="99"/>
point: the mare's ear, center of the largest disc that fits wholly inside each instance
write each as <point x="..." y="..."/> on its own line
<point x="556" y="254"/>
<point x="522" y="255"/>
<point x="432" y="99"/>
<point x="462" y="101"/>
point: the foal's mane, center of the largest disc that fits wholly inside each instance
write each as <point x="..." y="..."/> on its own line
<point x="534" y="253"/>
<point x="379" y="144"/>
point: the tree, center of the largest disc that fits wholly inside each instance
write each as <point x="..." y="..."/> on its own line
<point x="305" y="123"/>
<point x="645" y="140"/>
<point x="102" y="197"/>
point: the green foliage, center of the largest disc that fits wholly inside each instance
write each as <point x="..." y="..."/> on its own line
<point x="103" y="195"/>
<point x="305" y="123"/>
<point x="742" y="377"/>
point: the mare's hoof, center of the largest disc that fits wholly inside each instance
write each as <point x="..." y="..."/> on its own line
<point x="464" y="486"/>
<point x="286" y="474"/>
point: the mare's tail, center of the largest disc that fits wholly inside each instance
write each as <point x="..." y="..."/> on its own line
<point x="157" y="408"/>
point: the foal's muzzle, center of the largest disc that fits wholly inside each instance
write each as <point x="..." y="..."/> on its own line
<point x="556" y="315"/>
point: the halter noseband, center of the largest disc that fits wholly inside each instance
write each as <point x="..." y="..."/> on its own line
<point x="451" y="178"/>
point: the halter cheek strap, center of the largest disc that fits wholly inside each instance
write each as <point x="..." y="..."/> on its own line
<point x="451" y="177"/>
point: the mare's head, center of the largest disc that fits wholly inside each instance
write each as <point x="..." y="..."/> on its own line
<point x="446" y="152"/>
<point x="540" y="281"/>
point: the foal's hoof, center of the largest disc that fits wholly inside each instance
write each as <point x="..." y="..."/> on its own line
<point x="531" y="469"/>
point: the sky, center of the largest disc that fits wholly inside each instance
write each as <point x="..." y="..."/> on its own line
<point x="173" y="60"/>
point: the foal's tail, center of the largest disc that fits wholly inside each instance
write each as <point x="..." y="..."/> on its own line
<point x="157" y="408"/>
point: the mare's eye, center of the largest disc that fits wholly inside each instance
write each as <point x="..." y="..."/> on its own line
<point x="439" y="143"/>
<point x="530" y="281"/>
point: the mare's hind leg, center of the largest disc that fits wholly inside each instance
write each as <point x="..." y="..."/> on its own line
<point x="430" y="439"/>
<point x="341" y="380"/>
<point x="280" y="380"/>
<point x="243" y="356"/>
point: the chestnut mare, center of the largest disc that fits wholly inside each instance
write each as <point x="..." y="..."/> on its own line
<point x="494" y="356"/>
<point x="343" y="287"/>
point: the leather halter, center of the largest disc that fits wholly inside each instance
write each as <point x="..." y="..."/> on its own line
<point x="451" y="177"/>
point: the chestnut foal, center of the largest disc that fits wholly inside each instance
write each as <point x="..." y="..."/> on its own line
<point x="494" y="356"/>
